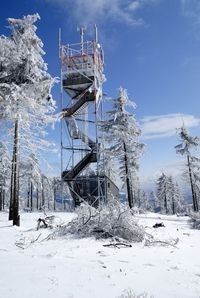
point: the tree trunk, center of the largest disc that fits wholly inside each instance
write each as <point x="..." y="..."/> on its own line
<point x="128" y="184"/>
<point x="165" y="203"/>
<point x="11" y="188"/>
<point x="43" y="198"/>
<point x="173" y="205"/>
<point x="48" y="199"/>
<point x="1" y="199"/>
<point x="194" y="197"/>
<point x="3" y="202"/>
<point x="64" y="204"/>
<point x="40" y="208"/>
<point x="31" y="195"/>
<point x="37" y="197"/>
<point x="54" y="198"/>
<point x="28" y="194"/>
<point x="16" y="218"/>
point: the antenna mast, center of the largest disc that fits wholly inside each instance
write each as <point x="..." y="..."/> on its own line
<point x="82" y="31"/>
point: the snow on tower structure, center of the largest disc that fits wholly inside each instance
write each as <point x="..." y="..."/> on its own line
<point x="81" y="79"/>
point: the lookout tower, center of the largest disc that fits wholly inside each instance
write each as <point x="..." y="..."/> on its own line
<point x="82" y="77"/>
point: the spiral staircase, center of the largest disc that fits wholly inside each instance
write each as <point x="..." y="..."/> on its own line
<point x="82" y="78"/>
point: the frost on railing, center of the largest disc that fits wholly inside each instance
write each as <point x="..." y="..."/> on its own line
<point x="82" y="57"/>
<point x="78" y="49"/>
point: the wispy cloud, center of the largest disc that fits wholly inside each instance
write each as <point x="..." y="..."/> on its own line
<point x="174" y="168"/>
<point x="86" y="12"/>
<point x="165" y="125"/>
<point x="191" y="8"/>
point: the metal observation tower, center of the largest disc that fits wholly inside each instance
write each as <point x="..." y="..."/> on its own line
<point x="82" y="77"/>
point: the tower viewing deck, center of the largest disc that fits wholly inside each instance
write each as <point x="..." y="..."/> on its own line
<point x="82" y="77"/>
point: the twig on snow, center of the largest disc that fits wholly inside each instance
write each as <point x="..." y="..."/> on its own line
<point x="168" y="243"/>
<point x="117" y="245"/>
<point x="24" y="246"/>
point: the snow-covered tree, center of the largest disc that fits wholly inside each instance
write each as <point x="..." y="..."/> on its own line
<point x="153" y="201"/>
<point x="175" y="196"/>
<point x="5" y="164"/>
<point x="168" y="195"/>
<point x="108" y="166"/>
<point x="142" y="199"/>
<point x="177" y="205"/>
<point x="56" y="185"/>
<point x="25" y="99"/>
<point x="30" y="178"/>
<point x="186" y="147"/>
<point x="162" y="191"/>
<point x="121" y="134"/>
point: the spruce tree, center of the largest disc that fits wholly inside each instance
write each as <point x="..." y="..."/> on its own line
<point x="121" y="134"/>
<point x="185" y="148"/>
<point x="169" y="196"/>
<point x="25" y="98"/>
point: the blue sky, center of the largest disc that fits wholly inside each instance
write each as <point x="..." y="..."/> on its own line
<point x="152" y="48"/>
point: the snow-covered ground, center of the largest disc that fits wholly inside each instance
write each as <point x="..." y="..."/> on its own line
<point x="84" y="268"/>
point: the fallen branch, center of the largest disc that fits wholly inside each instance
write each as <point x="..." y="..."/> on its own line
<point x="149" y="235"/>
<point x="49" y="222"/>
<point x="167" y="243"/>
<point x="24" y="245"/>
<point x="49" y="237"/>
<point x="117" y="245"/>
<point x="18" y="245"/>
<point x="109" y="221"/>
<point x="39" y="223"/>
<point x="102" y="233"/>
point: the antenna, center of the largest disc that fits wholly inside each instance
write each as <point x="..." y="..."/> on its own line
<point x="59" y="42"/>
<point x="82" y="31"/>
<point x="96" y="33"/>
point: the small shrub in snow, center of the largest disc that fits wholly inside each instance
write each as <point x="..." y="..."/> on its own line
<point x="112" y="220"/>
<point x="195" y="220"/>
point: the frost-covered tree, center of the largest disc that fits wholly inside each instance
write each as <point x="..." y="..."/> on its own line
<point x="30" y="178"/>
<point x="186" y="147"/>
<point x="56" y="186"/>
<point x="108" y="166"/>
<point x="153" y="201"/>
<point x="50" y="186"/>
<point x="162" y="192"/>
<point x="175" y="196"/>
<point x="61" y="194"/>
<point x="5" y="164"/>
<point x="25" y="99"/>
<point x="54" y="194"/>
<point x="177" y="199"/>
<point x="121" y="135"/>
<point x="168" y="195"/>
<point x="142" y="201"/>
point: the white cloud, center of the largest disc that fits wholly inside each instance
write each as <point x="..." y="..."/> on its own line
<point x="191" y="8"/>
<point x="134" y="5"/>
<point x="174" y="168"/>
<point x="86" y="12"/>
<point x="165" y="125"/>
